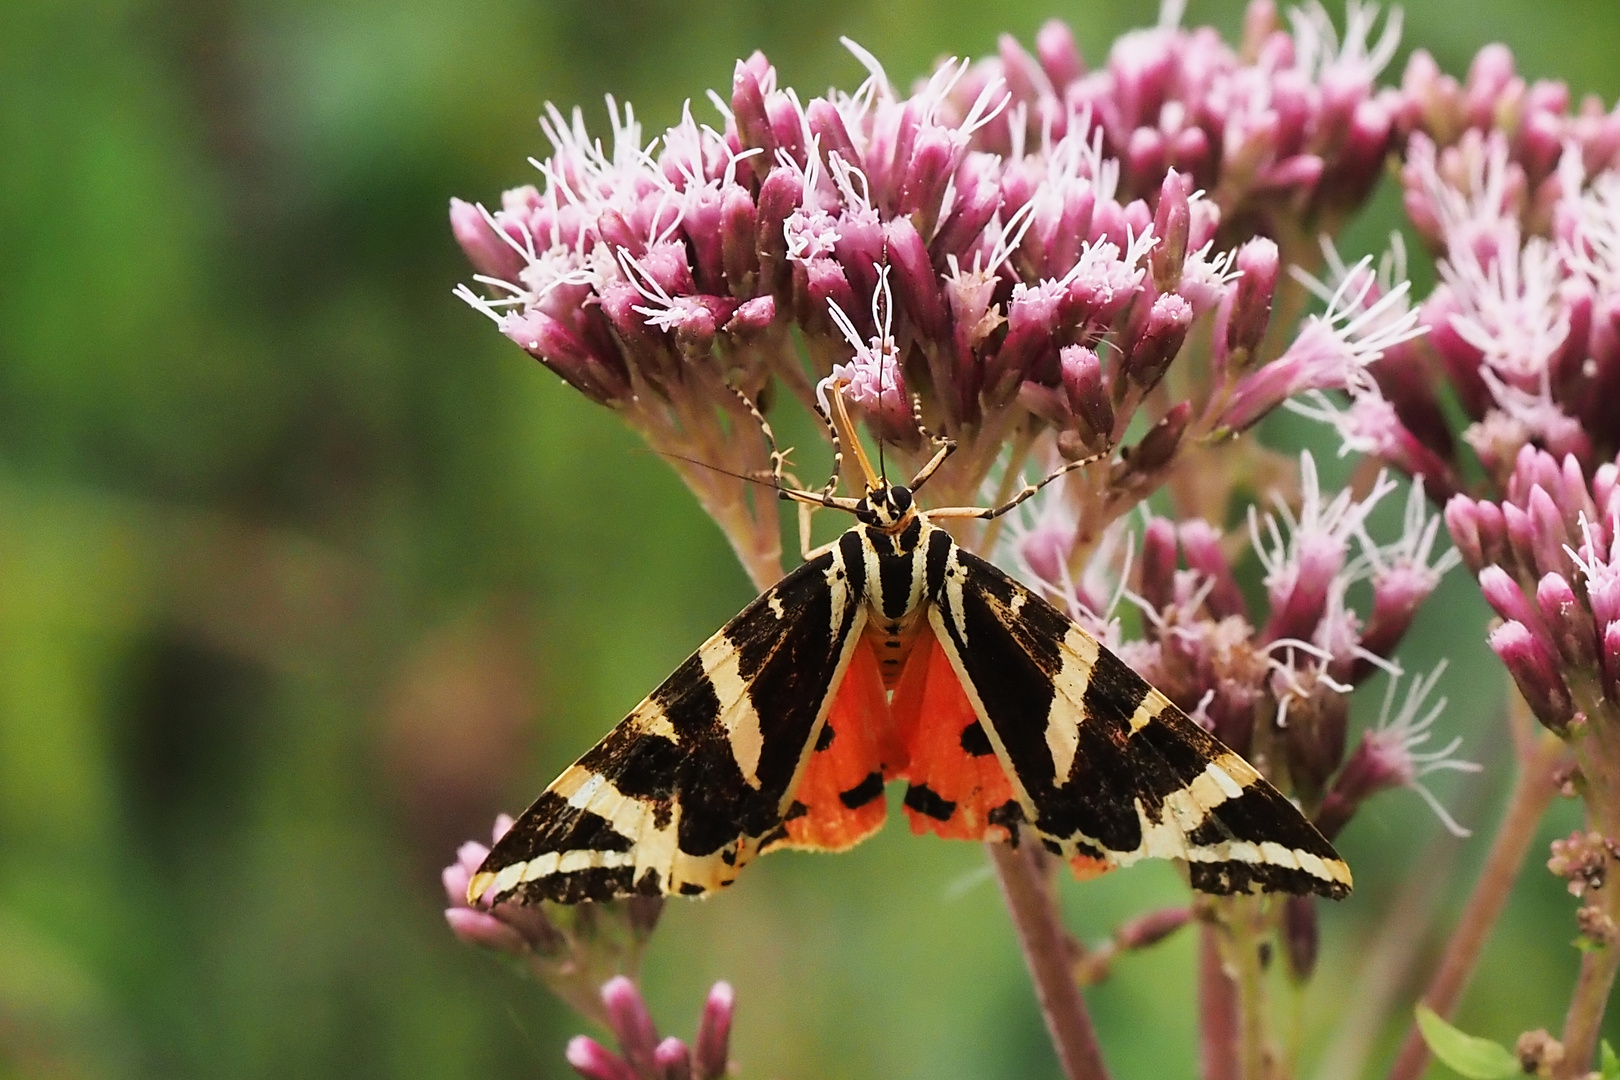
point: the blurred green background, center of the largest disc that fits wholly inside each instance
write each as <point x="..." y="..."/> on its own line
<point x="305" y="572"/>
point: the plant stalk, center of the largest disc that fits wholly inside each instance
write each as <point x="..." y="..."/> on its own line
<point x="1533" y="791"/>
<point x="1045" y="943"/>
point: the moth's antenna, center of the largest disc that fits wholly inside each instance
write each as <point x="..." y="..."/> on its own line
<point x="775" y="484"/>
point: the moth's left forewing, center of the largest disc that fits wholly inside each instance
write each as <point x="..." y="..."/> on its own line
<point x="689" y="786"/>
<point x="1107" y="769"/>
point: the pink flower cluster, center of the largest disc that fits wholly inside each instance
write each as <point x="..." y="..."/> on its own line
<point x="1014" y="243"/>
<point x="1287" y="130"/>
<point x="1548" y="560"/>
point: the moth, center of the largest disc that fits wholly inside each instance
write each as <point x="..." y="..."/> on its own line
<point x="895" y="654"/>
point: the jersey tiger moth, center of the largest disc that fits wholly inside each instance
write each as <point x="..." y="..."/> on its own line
<point x="895" y="654"/>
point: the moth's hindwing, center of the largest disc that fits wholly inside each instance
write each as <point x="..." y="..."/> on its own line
<point x="1106" y="769"/>
<point x="681" y="794"/>
<point x="957" y="788"/>
<point x="839" y="801"/>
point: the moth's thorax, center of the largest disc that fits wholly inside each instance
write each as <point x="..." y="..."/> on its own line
<point x="896" y="592"/>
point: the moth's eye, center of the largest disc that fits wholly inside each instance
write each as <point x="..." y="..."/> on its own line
<point x="900" y="499"/>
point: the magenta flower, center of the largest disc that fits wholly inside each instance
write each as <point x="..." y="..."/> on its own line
<point x="642" y="1055"/>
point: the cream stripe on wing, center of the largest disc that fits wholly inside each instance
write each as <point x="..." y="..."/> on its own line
<point x="1066" y="714"/>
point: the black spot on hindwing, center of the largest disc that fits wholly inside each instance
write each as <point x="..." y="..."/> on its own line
<point x="929" y="803"/>
<point x="863" y="792"/>
<point x="975" y="742"/>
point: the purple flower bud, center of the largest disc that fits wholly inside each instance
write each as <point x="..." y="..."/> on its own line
<point x="1202" y="546"/>
<point x="1508" y="600"/>
<point x="778" y="197"/>
<point x="1530" y="661"/>
<point x="1159" y="562"/>
<point x="673" y="1060"/>
<point x="825" y="284"/>
<point x="787" y="126"/>
<point x="1166" y="330"/>
<point x="1032" y="319"/>
<point x="1139" y="465"/>
<point x="1059" y="55"/>
<point x="1190" y="155"/>
<point x="752" y="317"/>
<point x="915" y="278"/>
<point x="1301" y="936"/>
<point x="748" y="111"/>
<point x="1088" y="397"/>
<point x="1397" y="594"/>
<point x="594" y="1061"/>
<point x="1152" y="928"/>
<point x="617" y="233"/>
<point x="1025" y="79"/>
<point x="737" y="234"/>
<point x="827" y="125"/>
<point x="1249" y="307"/>
<point x="488" y="253"/>
<point x="1571" y="627"/>
<point x="967" y="220"/>
<point x="712" y="1049"/>
<point x="474" y="927"/>
<point x="632" y="1024"/>
<point x="603" y="379"/>
<point x="1146" y="155"/>
<point x="1172" y="222"/>
<point x="1462" y="521"/>
<point x="930" y="169"/>
<point x="1549" y="533"/>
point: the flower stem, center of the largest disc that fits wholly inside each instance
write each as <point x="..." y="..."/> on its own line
<point x="1218" y="1035"/>
<point x="1598" y="758"/>
<point x="1585" y="1017"/>
<point x="1035" y="916"/>
<point x="1533" y="791"/>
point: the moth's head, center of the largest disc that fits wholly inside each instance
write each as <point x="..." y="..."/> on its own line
<point x="887" y="506"/>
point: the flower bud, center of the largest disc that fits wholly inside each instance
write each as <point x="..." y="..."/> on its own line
<point x="673" y="1060"/>
<point x="711" y="1051"/>
<point x="748" y="111"/>
<point x="778" y="197"/>
<point x="915" y="279"/>
<point x="753" y="317"/>
<point x="1249" y="306"/>
<point x="601" y="378"/>
<point x="1088" y="397"/>
<point x="1530" y="661"/>
<point x="966" y="220"/>
<point x="488" y="252"/>
<point x="1201" y="545"/>
<point x="1507" y="599"/>
<point x="1570" y="626"/>
<point x="787" y="126"/>
<point x="929" y="170"/>
<point x="632" y="1024"/>
<point x="827" y="125"/>
<point x="1151" y="355"/>
<point x="737" y="235"/>
<point x="1159" y="563"/>
<point x="594" y="1061"/>
<point x="1058" y="54"/>
<point x="1172" y="222"/>
<point x="1139" y="465"/>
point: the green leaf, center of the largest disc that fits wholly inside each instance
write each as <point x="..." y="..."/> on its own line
<point x="1473" y="1057"/>
<point x="1610" y="1063"/>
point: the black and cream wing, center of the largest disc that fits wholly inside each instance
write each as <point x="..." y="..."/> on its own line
<point x="1106" y="769"/>
<point x="679" y="795"/>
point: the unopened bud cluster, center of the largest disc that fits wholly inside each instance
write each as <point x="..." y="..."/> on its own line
<point x="1547" y="562"/>
<point x="642" y="1054"/>
<point x="571" y="949"/>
